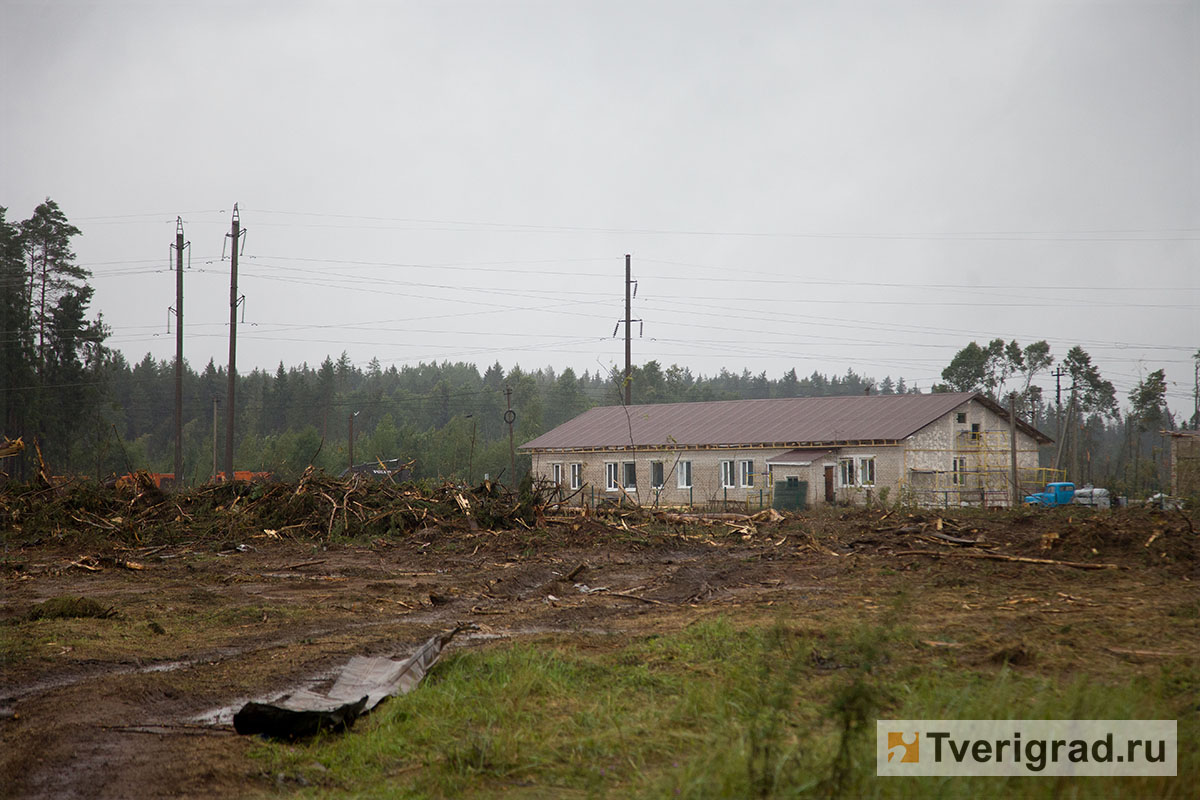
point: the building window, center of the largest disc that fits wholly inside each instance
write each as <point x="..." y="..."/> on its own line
<point x="961" y="418"/>
<point x="974" y="430"/>
<point x="556" y="474"/>
<point x="576" y="475"/>
<point x="727" y="475"/>
<point x="846" y="471"/>
<point x="684" y="475"/>
<point x="610" y="476"/>
<point x="866" y="471"/>
<point x="746" y="473"/>
<point x="656" y="474"/>
<point x="629" y="473"/>
<point x="958" y="477"/>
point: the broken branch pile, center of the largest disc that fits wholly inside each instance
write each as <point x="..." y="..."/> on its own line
<point x="315" y="507"/>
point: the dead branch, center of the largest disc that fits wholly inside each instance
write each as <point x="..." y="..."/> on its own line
<point x="1003" y="557"/>
<point x="306" y="563"/>
<point x="634" y="597"/>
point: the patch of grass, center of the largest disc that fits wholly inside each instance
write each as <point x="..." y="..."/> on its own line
<point x="71" y="608"/>
<point x="717" y="709"/>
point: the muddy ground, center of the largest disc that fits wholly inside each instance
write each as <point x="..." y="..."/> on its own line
<point x="137" y="703"/>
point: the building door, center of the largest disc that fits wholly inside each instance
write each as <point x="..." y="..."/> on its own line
<point x="829" y="497"/>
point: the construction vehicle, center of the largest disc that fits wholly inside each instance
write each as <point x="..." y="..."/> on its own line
<point x="1056" y="494"/>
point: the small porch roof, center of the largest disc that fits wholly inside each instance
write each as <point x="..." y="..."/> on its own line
<point x="801" y="457"/>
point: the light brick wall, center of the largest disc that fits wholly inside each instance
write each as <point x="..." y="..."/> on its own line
<point x="707" y="489"/>
<point x="930" y="452"/>
<point x="706" y="475"/>
<point x="1185" y="464"/>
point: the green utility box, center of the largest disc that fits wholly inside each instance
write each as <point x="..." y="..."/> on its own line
<point x="790" y="495"/>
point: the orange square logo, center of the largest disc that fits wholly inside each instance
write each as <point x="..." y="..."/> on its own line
<point x="910" y="752"/>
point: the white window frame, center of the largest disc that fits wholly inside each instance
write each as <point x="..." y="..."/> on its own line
<point x="958" y="471"/>
<point x="866" y="464"/>
<point x="846" y="473"/>
<point x="612" y="476"/>
<point x="556" y="474"/>
<point x="576" y="476"/>
<point x="683" y="475"/>
<point x="661" y="477"/>
<point x="746" y="473"/>
<point x="630" y="485"/>
<point x="727" y="474"/>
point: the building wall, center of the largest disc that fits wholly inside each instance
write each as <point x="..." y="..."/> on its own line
<point x="978" y="439"/>
<point x="1185" y="464"/>
<point x="707" y="488"/>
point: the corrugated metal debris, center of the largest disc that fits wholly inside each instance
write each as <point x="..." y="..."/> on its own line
<point x="360" y="686"/>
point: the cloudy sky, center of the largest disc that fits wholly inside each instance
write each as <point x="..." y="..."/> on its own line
<point x="818" y="185"/>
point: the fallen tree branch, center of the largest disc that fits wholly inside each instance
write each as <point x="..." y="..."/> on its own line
<point x="306" y="564"/>
<point x="1002" y="557"/>
<point x="634" y="597"/>
<point x="954" y="539"/>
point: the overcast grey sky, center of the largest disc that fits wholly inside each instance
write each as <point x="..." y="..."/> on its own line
<point x="818" y="185"/>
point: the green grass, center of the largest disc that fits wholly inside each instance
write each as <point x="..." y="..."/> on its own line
<point x="712" y="711"/>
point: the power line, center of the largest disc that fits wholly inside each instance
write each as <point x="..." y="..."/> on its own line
<point x="1175" y="234"/>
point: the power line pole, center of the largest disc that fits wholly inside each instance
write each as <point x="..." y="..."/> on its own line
<point x="628" y="344"/>
<point x="1012" y="448"/>
<point x="510" y="416"/>
<point x="1196" y="391"/>
<point x="1058" y="375"/>
<point x="214" y="469"/>
<point x="630" y="292"/>
<point x="236" y="237"/>
<point x="180" y="246"/>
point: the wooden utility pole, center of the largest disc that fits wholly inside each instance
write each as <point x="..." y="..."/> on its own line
<point x="1066" y="429"/>
<point x="179" y="248"/>
<point x="1012" y="448"/>
<point x="628" y="336"/>
<point x="214" y="471"/>
<point x="510" y="416"/>
<point x="352" y="416"/>
<point x="235" y="236"/>
<point x="1058" y="420"/>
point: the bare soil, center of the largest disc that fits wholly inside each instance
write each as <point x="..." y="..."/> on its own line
<point x="138" y="704"/>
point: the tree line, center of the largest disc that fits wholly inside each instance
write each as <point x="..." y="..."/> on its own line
<point x="94" y="413"/>
<point x="1097" y="443"/>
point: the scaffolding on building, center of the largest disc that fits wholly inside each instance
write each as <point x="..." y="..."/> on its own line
<point x="979" y="474"/>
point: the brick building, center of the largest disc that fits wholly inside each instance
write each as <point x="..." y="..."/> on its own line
<point x="1185" y="463"/>
<point x="932" y="449"/>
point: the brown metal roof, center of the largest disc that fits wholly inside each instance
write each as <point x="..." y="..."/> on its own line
<point x="779" y="421"/>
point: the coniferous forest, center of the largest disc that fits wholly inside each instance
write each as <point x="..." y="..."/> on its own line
<point x="92" y="412"/>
